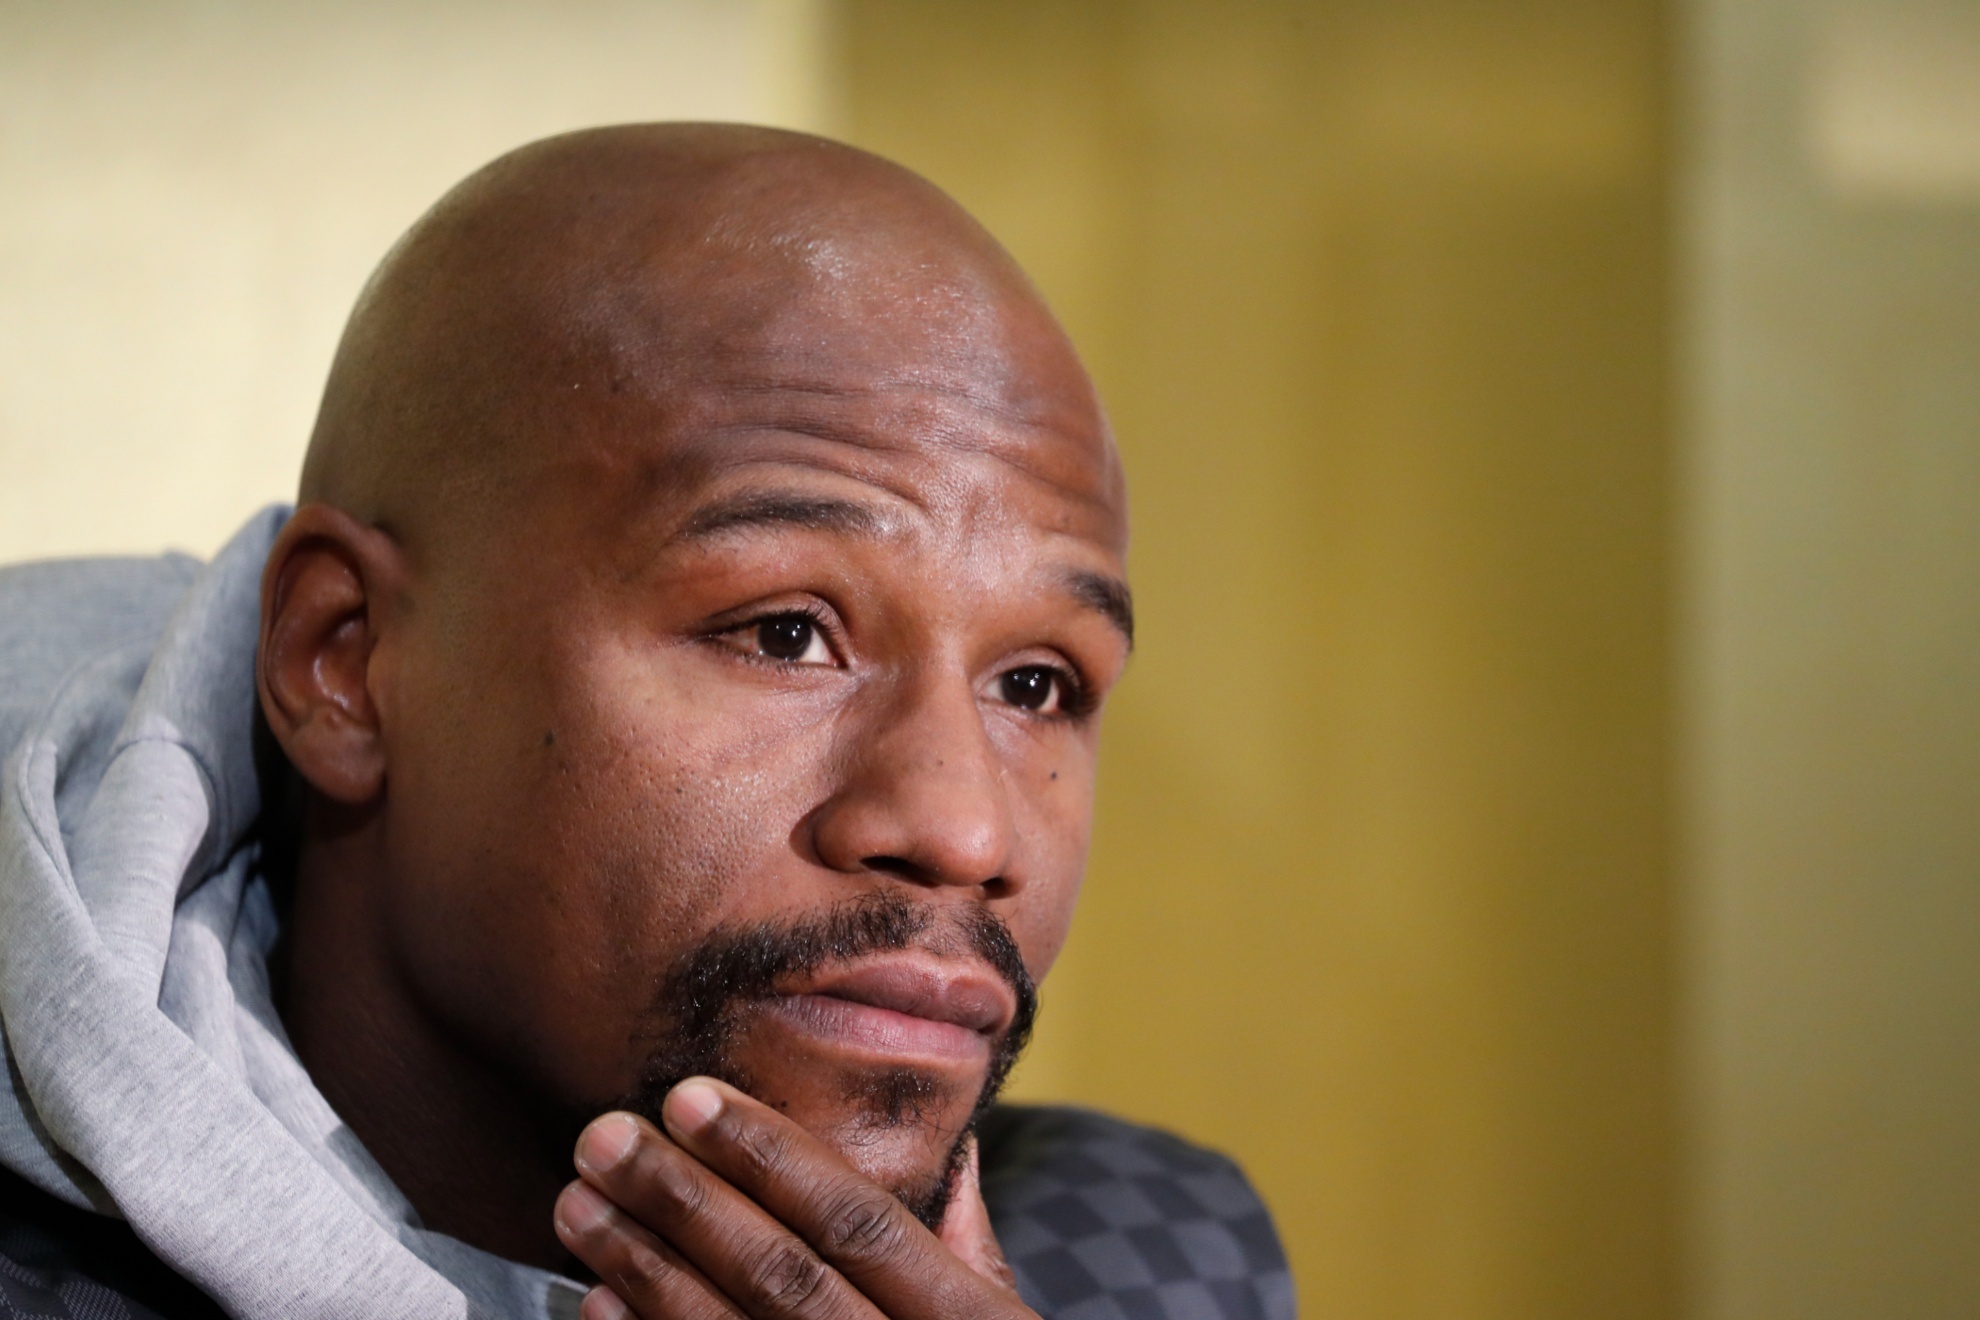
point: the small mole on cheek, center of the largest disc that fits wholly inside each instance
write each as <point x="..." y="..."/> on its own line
<point x="550" y="739"/>
<point x="1055" y="774"/>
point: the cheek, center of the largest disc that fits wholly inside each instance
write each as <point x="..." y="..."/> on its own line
<point x="662" y="803"/>
<point x="670" y="776"/>
<point x="1054" y="809"/>
<point x="568" y="850"/>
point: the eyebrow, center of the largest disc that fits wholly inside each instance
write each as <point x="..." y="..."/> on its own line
<point x="776" y="509"/>
<point x="1108" y="595"/>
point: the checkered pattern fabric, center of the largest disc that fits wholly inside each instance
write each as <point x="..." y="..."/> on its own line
<point x="1102" y="1220"/>
<point x="29" y="1295"/>
<point x="61" y="1263"/>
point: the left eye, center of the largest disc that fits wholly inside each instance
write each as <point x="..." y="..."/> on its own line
<point x="1033" y="687"/>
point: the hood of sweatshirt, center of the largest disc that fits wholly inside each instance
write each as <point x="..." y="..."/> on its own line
<point x="148" y="1074"/>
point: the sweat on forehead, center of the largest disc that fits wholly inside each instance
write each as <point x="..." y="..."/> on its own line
<point x="587" y="276"/>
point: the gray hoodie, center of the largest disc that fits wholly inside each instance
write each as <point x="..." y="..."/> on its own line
<point x="148" y="1075"/>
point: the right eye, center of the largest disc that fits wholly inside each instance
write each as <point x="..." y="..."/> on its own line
<point x="790" y="638"/>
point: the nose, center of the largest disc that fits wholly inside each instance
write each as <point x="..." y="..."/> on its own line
<point x="923" y="794"/>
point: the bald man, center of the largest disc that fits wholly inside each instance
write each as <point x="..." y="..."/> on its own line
<point x="597" y="854"/>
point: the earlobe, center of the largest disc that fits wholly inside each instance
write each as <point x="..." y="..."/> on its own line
<point x="320" y="612"/>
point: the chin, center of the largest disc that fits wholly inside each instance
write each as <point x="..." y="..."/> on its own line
<point x="903" y="1127"/>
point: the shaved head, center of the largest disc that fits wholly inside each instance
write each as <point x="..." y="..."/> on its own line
<point x="602" y="271"/>
<point x="693" y="635"/>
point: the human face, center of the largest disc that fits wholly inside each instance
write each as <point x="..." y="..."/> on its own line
<point x="816" y="624"/>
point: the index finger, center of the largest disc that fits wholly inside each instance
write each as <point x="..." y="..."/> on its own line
<point x="857" y="1226"/>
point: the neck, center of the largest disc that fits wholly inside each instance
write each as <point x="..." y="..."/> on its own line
<point x="457" y="1135"/>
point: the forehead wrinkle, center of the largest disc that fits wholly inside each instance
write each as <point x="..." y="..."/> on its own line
<point x="776" y="493"/>
<point x="978" y="399"/>
<point x="923" y="468"/>
<point x="930" y="497"/>
<point x="751" y="510"/>
<point x="927" y="487"/>
<point x="1095" y="496"/>
<point x="1025" y="452"/>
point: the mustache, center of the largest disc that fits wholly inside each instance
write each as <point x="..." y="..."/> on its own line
<point x="735" y="966"/>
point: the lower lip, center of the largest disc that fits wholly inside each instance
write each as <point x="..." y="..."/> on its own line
<point x="882" y="1032"/>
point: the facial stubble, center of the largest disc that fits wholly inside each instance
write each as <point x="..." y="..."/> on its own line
<point x="705" y="1000"/>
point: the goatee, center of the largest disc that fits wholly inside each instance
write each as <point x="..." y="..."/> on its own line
<point x="704" y="1001"/>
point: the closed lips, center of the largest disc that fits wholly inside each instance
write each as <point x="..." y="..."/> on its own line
<point x="959" y="994"/>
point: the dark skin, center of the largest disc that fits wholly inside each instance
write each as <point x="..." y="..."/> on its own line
<point x="704" y="527"/>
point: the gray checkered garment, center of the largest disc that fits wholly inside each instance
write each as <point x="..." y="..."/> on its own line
<point x="1101" y="1220"/>
<point x="61" y="1263"/>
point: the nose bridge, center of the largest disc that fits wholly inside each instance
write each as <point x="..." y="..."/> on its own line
<point x="924" y="792"/>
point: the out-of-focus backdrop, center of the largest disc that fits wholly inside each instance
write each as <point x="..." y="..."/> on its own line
<point x="1540" y="834"/>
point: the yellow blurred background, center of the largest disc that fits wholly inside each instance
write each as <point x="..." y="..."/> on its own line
<point x="1540" y="833"/>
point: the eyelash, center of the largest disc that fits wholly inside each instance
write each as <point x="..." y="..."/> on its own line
<point x="1075" y="697"/>
<point x="811" y="612"/>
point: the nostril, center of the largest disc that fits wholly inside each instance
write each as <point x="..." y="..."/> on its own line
<point x="917" y="873"/>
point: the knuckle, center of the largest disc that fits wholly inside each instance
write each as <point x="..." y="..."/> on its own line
<point x="862" y="1224"/>
<point x="765" y="1153"/>
<point x="643" y="1275"/>
<point x="784" y="1278"/>
<point x="677" y="1193"/>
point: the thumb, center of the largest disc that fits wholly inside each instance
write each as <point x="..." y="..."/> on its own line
<point x="966" y="1228"/>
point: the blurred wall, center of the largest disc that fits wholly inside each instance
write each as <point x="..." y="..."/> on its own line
<point x="192" y="192"/>
<point x="1381" y="897"/>
<point x="1832" y="657"/>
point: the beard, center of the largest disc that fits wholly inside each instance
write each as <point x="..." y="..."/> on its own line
<point x="706" y="997"/>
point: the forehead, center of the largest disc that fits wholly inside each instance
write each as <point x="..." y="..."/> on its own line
<point x="952" y="458"/>
<point x="930" y="385"/>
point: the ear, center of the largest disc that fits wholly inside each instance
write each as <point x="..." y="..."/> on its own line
<point x="323" y="597"/>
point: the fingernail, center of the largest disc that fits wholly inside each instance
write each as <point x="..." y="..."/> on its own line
<point x="601" y="1303"/>
<point x="607" y="1142"/>
<point x="579" y="1210"/>
<point x="693" y="1105"/>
